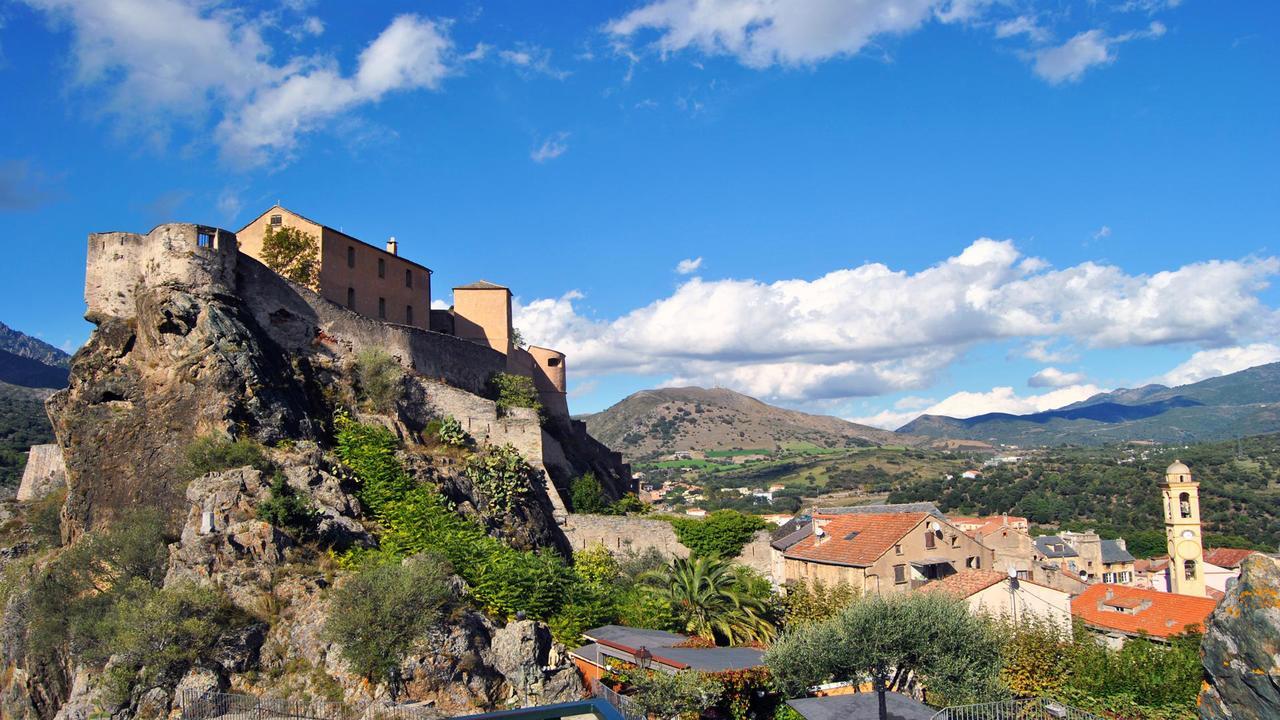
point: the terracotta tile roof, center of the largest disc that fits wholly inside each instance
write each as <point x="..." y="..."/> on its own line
<point x="1227" y="557"/>
<point x="855" y="539"/>
<point x="996" y="523"/>
<point x="965" y="583"/>
<point x="1158" y="614"/>
<point x="1149" y="566"/>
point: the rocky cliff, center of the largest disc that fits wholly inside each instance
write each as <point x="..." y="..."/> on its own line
<point x="194" y="340"/>
<point x="1241" y="648"/>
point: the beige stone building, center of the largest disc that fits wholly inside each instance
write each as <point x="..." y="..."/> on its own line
<point x="373" y="281"/>
<point x="877" y="549"/>
<point x="997" y="594"/>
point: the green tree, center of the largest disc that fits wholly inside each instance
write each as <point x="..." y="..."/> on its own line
<point x="663" y="695"/>
<point x="286" y="509"/>
<point x="721" y="534"/>
<point x="293" y="254"/>
<point x="587" y="495"/>
<point x="708" y="599"/>
<point x="807" y="603"/>
<point x="513" y="391"/>
<point x="378" y="615"/>
<point x="888" y="639"/>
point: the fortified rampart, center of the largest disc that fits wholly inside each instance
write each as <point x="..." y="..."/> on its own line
<point x="179" y="254"/>
<point x="621" y="534"/>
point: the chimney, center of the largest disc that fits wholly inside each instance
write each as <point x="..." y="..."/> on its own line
<point x="819" y="531"/>
<point x="392" y="246"/>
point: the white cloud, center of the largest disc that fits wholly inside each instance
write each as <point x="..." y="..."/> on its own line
<point x="1053" y="377"/>
<point x="689" y="266"/>
<point x="532" y="59"/>
<point x="968" y="404"/>
<point x="870" y="330"/>
<point x="1102" y="233"/>
<point x="551" y="148"/>
<point x="760" y="33"/>
<point x="1040" y="351"/>
<point x="313" y="26"/>
<point x="186" y="61"/>
<point x="1069" y="61"/>
<point x="229" y="203"/>
<point x="1022" y="25"/>
<point x="1220" y="361"/>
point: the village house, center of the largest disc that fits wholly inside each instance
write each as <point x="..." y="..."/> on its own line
<point x="875" y="548"/>
<point x="1119" y="612"/>
<point x="1221" y="568"/>
<point x="655" y="650"/>
<point x="998" y="594"/>
<point x="1084" y="556"/>
<point x="378" y="283"/>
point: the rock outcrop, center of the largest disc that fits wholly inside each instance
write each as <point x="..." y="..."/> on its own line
<point x="1241" y="649"/>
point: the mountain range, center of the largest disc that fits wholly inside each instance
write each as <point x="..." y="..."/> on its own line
<point x="1239" y="404"/>
<point x="30" y="370"/>
<point x="650" y="423"/>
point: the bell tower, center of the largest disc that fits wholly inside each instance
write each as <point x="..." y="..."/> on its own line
<point x="1182" y="531"/>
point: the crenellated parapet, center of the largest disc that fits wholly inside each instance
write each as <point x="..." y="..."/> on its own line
<point x="197" y="256"/>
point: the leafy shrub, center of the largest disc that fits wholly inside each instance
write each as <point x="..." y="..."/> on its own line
<point x="286" y="509"/>
<point x="157" y="635"/>
<point x="450" y="432"/>
<point x="513" y="391"/>
<point x="292" y="253"/>
<point x="378" y="614"/>
<point x="416" y="518"/>
<point x="211" y="453"/>
<point x="660" y="694"/>
<point x="1143" y="679"/>
<point x="805" y="603"/>
<point x="722" y="533"/>
<point x="629" y="504"/>
<point x="502" y="477"/>
<point x="377" y="376"/>
<point x="586" y="495"/>
<point x="44" y="517"/>
<point x="591" y="599"/>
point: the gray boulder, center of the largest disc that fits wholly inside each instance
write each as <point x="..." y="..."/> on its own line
<point x="1241" y="650"/>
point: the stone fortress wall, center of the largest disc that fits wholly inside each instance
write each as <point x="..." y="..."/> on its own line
<point x="621" y="534"/>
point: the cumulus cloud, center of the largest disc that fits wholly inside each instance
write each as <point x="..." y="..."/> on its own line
<point x="869" y="330"/>
<point x="1069" y="61"/>
<point x="1220" y="361"/>
<point x="996" y="400"/>
<point x="1040" y="351"/>
<point x="551" y="148"/>
<point x="689" y="266"/>
<point x="531" y="60"/>
<point x="1053" y="377"/>
<point x="167" y="61"/>
<point x="764" y="33"/>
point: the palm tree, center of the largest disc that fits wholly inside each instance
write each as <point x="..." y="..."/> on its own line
<point x="709" y="601"/>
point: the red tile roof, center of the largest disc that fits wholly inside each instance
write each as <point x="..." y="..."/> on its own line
<point x="965" y="583"/>
<point x="1227" y="557"/>
<point x="1158" y="614"/>
<point x="1152" y="565"/>
<point x="855" y="539"/>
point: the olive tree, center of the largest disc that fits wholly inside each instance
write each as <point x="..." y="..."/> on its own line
<point x="892" y="641"/>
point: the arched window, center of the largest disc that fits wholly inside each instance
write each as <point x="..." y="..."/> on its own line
<point x="1189" y="569"/>
<point x="1184" y="504"/>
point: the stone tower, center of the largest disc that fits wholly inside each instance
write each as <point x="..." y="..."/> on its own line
<point x="1182" y="530"/>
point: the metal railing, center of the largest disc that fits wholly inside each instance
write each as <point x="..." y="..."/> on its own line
<point x="1030" y="709"/>
<point x="224" y="706"/>
<point x="621" y="703"/>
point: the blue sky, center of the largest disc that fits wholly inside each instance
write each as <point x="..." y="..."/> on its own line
<point x="868" y="209"/>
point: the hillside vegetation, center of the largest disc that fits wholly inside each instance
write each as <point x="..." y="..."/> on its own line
<point x="1114" y="489"/>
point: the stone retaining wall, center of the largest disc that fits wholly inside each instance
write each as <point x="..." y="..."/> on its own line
<point x="620" y="534"/>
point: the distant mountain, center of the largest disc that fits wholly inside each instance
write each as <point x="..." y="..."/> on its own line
<point x="1240" y="404"/>
<point x="656" y="422"/>
<point x="30" y="370"/>
<point x="24" y="345"/>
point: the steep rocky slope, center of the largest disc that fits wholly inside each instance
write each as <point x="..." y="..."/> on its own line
<point x="1241" y="648"/>
<point x="653" y="422"/>
<point x="198" y="343"/>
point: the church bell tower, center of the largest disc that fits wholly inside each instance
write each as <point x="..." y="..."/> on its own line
<point x="1182" y="530"/>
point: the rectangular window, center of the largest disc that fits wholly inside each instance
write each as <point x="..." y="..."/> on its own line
<point x="955" y="541"/>
<point x="408" y="314"/>
<point x="1024" y="574"/>
<point x="275" y="220"/>
<point x="382" y="268"/>
<point x="1108" y="577"/>
<point x="351" y="298"/>
<point x="408" y="278"/>
<point x="351" y="256"/>
<point x="899" y="574"/>
<point x="382" y="308"/>
<point x="930" y="542"/>
<point x="204" y="239"/>
<point x="897" y="549"/>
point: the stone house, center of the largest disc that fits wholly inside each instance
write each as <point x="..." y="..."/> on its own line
<point x="372" y="281"/>
<point x="875" y="548"/>
<point x="996" y="593"/>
